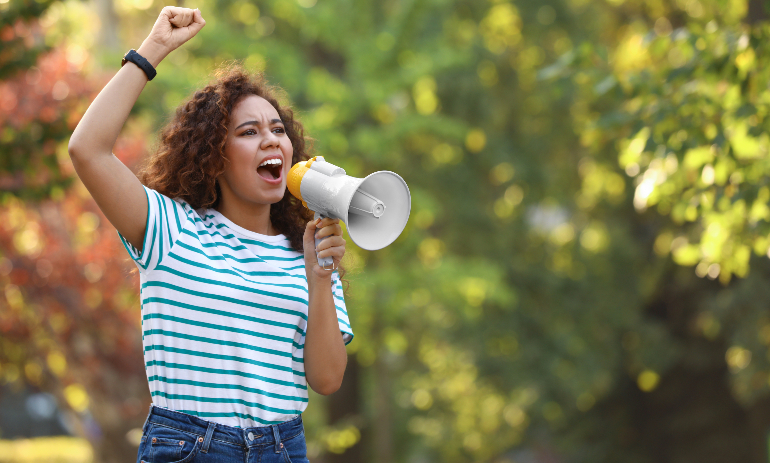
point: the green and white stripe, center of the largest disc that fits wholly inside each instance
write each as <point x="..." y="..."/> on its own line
<point x="224" y="314"/>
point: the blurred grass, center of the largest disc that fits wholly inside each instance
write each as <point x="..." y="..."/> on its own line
<point x="59" y="449"/>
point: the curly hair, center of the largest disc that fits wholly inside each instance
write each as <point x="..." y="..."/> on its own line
<point x="190" y="155"/>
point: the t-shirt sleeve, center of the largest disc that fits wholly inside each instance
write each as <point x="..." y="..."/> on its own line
<point x="165" y="218"/>
<point x="342" y="313"/>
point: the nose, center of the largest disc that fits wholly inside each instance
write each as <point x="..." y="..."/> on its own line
<point x="270" y="140"/>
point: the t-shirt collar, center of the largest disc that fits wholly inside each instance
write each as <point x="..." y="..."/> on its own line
<point x="244" y="232"/>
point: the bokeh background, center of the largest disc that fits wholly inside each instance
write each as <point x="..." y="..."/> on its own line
<point x="585" y="273"/>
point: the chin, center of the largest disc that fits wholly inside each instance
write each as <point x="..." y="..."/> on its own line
<point x="275" y="199"/>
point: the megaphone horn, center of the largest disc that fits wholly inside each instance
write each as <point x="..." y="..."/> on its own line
<point x="375" y="209"/>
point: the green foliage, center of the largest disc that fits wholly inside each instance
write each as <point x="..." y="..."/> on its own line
<point x="689" y="131"/>
<point x="569" y="164"/>
<point x="38" y="100"/>
<point x="17" y="54"/>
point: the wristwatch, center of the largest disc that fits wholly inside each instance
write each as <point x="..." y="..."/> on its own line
<point x="140" y="61"/>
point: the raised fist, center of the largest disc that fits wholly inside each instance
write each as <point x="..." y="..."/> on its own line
<point x="175" y="26"/>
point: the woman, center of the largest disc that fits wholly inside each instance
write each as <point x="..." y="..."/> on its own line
<point x="238" y="318"/>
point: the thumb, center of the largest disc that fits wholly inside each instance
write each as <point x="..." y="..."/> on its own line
<point x="198" y="22"/>
<point x="309" y="239"/>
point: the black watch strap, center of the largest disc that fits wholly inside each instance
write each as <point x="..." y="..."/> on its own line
<point x="140" y="61"/>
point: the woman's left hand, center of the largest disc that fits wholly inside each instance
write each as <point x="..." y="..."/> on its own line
<point x="332" y="244"/>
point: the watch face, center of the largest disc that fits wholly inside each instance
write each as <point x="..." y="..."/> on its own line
<point x="124" y="61"/>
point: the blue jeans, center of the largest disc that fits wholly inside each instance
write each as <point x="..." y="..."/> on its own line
<point x="174" y="437"/>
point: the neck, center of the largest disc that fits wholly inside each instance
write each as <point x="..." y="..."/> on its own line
<point x="252" y="217"/>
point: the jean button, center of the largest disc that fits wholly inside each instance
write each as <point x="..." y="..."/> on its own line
<point x="251" y="436"/>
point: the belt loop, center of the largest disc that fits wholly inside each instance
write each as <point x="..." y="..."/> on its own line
<point x="278" y="443"/>
<point x="207" y="440"/>
<point x="146" y="421"/>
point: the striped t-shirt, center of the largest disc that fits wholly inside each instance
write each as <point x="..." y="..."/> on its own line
<point x="224" y="313"/>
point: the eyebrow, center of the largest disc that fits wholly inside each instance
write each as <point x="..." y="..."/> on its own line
<point x="272" y="121"/>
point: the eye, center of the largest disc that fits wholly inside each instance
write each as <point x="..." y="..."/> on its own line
<point x="247" y="131"/>
<point x="279" y="130"/>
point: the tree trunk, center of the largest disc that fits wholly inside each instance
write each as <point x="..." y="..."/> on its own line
<point x="118" y="408"/>
<point x="108" y="32"/>
<point x="692" y="415"/>
<point x="757" y="12"/>
<point x="382" y="442"/>
<point x="344" y="406"/>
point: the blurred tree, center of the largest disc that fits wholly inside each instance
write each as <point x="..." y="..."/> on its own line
<point x="569" y="163"/>
<point x="68" y="317"/>
<point x="37" y="103"/>
<point x="20" y="35"/>
<point x="68" y="312"/>
<point x="672" y="101"/>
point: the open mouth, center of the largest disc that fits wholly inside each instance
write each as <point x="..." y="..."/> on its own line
<point x="270" y="169"/>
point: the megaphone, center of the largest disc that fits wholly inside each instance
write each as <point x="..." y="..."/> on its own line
<point x="375" y="209"/>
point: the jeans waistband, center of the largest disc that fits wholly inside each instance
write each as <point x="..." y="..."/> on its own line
<point x="258" y="435"/>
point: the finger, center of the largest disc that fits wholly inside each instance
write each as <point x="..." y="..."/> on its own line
<point x="336" y="252"/>
<point x="164" y="16"/>
<point x="325" y="222"/>
<point x="330" y="242"/>
<point x="308" y="239"/>
<point x="198" y="21"/>
<point x="172" y="12"/>
<point x="329" y="230"/>
<point x="181" y="17"/>
<point x="312" y="226"/>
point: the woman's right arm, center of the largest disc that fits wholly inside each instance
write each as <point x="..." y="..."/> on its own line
<point x="116" y="190"/>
